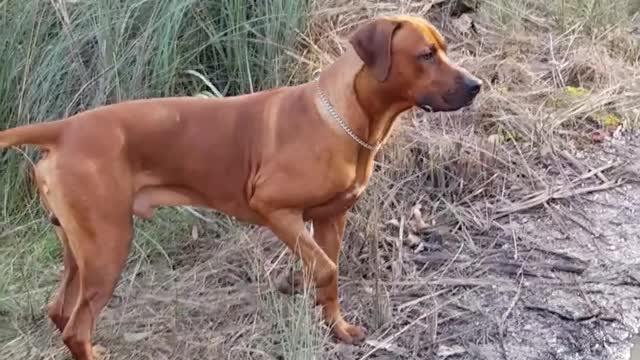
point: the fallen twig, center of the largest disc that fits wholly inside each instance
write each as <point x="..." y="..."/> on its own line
<point x="597" y="315"/>
<point x="577" y="221"/>
<point x="538" y="247"/>
<point x="582" y="167"/>
<point x="505" y="265"/>
<point x="505" y="316"/>
<point x="541" y="197"/>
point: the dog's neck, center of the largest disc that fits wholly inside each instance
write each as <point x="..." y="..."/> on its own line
<point x="381" y="105"/>
<point x="363" y="102"/>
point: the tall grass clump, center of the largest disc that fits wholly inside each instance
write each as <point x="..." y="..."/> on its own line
<point x="62" y="57"/>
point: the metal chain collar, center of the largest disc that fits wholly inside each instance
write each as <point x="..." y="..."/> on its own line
<point x="340" y="121"/>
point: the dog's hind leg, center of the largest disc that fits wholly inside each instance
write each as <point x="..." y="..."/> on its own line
<point x="63" y="302"/>
<point x="60" y="308"/>
<point x="99" y="268"/>
<point x="95" y="214"/>
<point x="100" y="250"/>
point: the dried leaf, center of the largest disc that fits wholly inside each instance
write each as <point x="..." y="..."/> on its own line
<point x="463" y="24"/>
<point x="448" y="351"/>
<point x="389" y="347"/>
<point x="393" y="222"/>
<point x="418" y="222"/>
<point x="135" y="337"/>
<point x="99" y="352"/>
<point x="413" y="240"/>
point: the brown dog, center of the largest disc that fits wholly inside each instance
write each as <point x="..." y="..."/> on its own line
<point x="275" y="158"/>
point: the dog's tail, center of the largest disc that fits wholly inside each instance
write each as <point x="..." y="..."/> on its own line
<point x="45" y="135"/>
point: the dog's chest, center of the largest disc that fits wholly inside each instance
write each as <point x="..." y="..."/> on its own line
<point x="353" y="193"/>
<point x="346" y="198"/>
<point x="342" y="186"/>
<point x="357" y="182"/>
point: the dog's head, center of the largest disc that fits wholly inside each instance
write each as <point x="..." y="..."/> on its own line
<point x="407" y="56"/>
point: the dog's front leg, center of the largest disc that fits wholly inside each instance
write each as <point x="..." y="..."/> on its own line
<point x="289" y="227"/>
<point x="328" y="233"/>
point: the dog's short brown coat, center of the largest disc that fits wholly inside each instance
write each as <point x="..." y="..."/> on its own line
<point x="275" y="158"/>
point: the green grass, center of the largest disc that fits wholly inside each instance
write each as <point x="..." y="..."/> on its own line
<point x="58" y="61"/>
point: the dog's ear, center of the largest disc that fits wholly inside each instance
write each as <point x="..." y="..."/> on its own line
<point x="372" y="43"/>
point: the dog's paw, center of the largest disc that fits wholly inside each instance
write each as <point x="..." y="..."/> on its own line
<point x="349" y="334"/>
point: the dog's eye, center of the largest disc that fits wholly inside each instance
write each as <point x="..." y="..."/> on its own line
<point x="427" y="56"/>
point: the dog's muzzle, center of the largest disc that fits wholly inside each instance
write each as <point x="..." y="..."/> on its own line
<point x="471" y="86"/>
<point x="460" y="95"/>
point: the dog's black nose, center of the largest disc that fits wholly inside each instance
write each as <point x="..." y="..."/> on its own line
<point x="472" y="85"/>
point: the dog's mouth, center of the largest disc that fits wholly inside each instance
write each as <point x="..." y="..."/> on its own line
<point x="426" y="108"/>
<point x="467" y="103"/>
<point x="446" y="106"/>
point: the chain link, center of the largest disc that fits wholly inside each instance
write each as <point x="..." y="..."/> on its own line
<point x="340" y="121"/>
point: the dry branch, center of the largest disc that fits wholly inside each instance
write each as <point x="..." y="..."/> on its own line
<point x="561" y="192"/>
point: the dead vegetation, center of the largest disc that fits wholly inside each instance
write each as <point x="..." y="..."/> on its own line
<point x="437" y="260"/>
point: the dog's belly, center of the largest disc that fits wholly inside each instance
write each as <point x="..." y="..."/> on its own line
<point x="147" y="199"/>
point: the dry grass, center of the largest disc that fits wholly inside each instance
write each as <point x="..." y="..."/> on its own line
<point x="432" y="232"/>
<point x="431" y="242"/>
